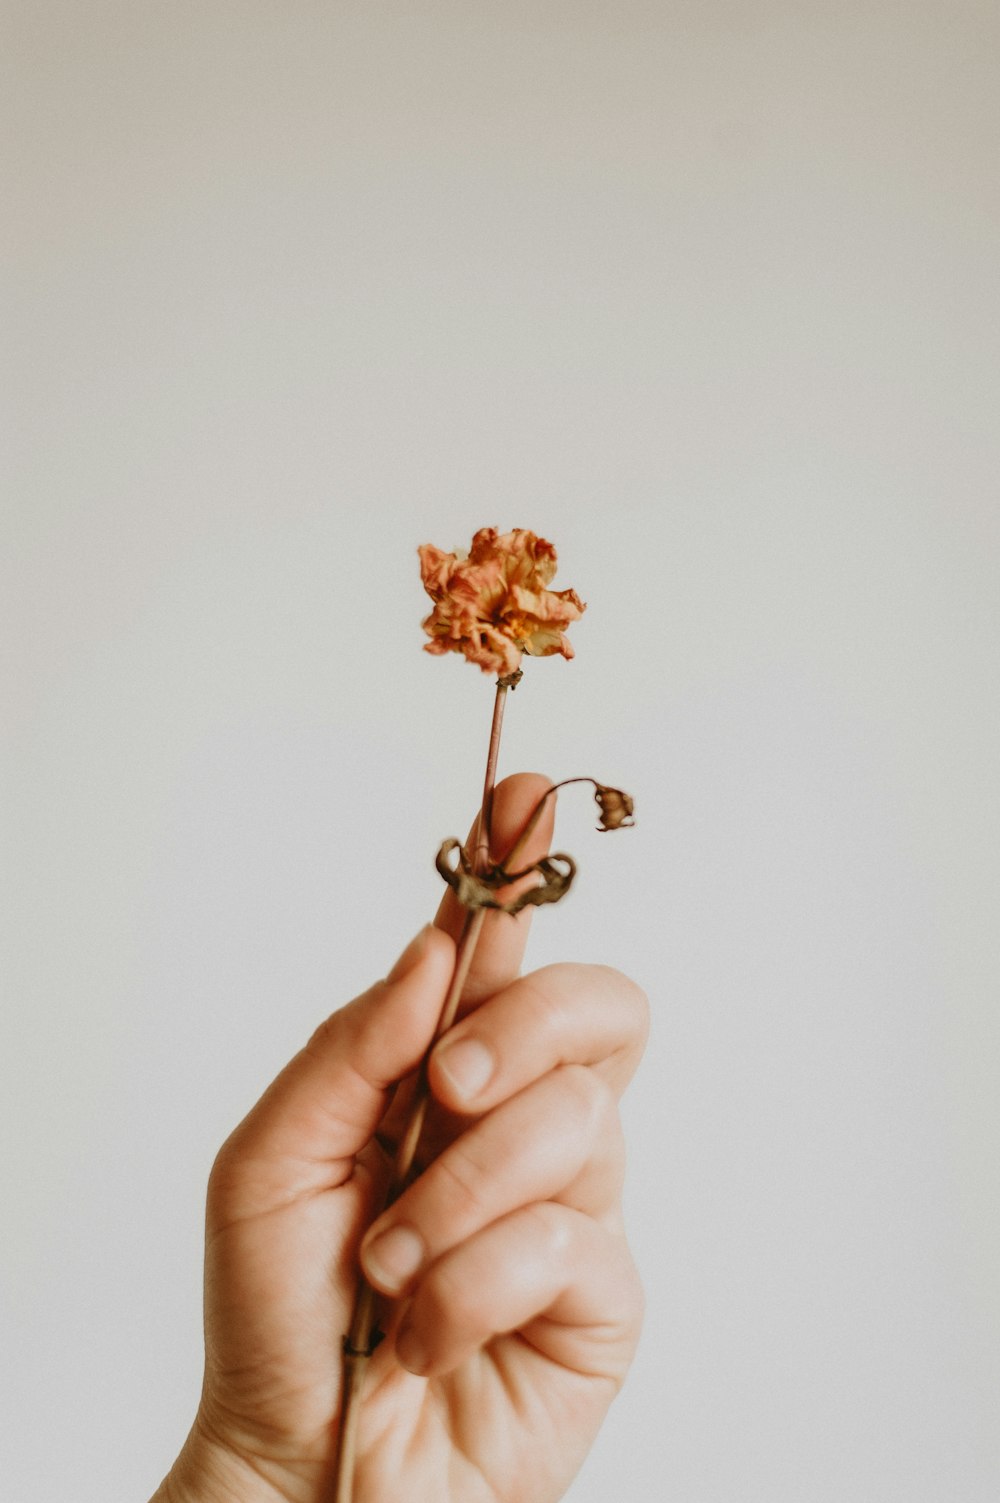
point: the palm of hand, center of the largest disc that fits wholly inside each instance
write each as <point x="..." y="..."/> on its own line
<point x="526" y="1305"/>
<point x="512" y="1422"/>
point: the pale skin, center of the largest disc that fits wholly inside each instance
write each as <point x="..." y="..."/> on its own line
<point x="512" y="1304"/>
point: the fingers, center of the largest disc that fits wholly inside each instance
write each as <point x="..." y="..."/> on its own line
<point x="324" y="1106"/>
<point x="501" y="944"/>
<point x="537" y="1068"/>
<point x="558" y="1140"/>
<point x="563" y="1281"/>
<point x="540" y="1064"/>
<point x="559" y="1015"/>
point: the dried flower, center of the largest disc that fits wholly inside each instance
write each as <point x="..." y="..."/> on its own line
<point x="492" y="606"/>
<point x="495" y="605"/>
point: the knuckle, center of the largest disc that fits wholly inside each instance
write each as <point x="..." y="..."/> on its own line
<point x="226" y="1159"/>
<point x="319" y="1039"/>
<point x="459" y="1176"/>
<point x="544" y="991"/>
<point x="224" y="1176"/>
<point x="590" y="1099"/>
<point x="643" y="1011"/>
<point x="550" y="1229"/>
<point x="555" y="991"/>
<point x="631" y="995"/>
<point x="329" y="1034"/>
<point x="450" y="1302"/>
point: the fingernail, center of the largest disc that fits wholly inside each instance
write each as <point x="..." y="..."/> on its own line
<point x="393" y="1258"/>
<point x="411" y="955"/>
<point x="467" y="1064"/>
<point x="410" y="1352"/>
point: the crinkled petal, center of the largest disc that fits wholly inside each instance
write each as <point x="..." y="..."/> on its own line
<point x="435" y="569"/>
<point x="548" y="605"/>
<point x="545" y="640"/>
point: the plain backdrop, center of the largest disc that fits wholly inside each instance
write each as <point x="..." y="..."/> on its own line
<point x="707" y="294"/>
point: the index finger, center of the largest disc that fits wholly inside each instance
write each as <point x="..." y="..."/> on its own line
<point x="500" y="951"/>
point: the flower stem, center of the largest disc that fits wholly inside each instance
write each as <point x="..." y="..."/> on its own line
<point x="492" y="756"/>
<point x="510" y="860"/>
<point x="362" y="1338"/>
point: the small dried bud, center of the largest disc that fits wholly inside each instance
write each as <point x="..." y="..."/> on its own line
<point x="616" y="808"/>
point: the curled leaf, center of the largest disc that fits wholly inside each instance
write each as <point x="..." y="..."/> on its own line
<point x="477" y="889"/>
<point x="470" y="890"/>
<point x="554" y="885"/>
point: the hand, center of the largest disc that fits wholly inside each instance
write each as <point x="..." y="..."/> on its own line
<point x="515" y="1305"/>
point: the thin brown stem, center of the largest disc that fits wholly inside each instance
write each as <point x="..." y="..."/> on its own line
<point x="535" y="816"/>
<point x="482" y="860"/>
<point x="362" y="1337"/>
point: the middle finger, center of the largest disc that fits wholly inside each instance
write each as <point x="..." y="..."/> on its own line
<point x="559" y="1015"/>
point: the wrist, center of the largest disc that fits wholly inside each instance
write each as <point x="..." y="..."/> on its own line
<point x="208" y="1472"/>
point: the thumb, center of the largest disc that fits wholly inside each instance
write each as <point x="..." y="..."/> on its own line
<point x="326" y="1104"/>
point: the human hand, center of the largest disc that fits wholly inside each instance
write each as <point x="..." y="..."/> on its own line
<point x="516" y="1303"/>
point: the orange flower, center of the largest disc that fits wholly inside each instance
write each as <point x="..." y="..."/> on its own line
<point x="494" y="605"/>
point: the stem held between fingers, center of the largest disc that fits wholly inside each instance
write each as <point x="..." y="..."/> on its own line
<point x="362" y="1338"/>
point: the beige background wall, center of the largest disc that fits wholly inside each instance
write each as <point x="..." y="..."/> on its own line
<point x="707" y="293"/>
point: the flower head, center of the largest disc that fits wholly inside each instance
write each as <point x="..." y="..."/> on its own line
<point x="495" y="605"/>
